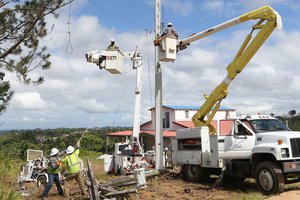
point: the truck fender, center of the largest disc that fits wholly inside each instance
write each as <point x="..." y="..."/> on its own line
<point x="259" y="157"/>
<point x="267" y="149"/>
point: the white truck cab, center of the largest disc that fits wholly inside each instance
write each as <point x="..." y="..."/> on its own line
<point x="255" y="146"/>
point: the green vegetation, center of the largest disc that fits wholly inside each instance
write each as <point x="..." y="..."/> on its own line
<point x="293" y="122"/>
<point x="249" y="196"/>
<point x="23" y="25"/>
<point x="14" y="145"/>
<point x="8" y="170"/>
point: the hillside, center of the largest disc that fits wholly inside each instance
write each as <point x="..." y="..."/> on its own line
<point x="14" y="144"/>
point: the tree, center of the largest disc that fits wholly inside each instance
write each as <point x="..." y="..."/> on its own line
<point x="22" y="26"/>
<point x="5" y="94"/>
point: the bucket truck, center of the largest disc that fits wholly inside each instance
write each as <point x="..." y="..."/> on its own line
<point x="255" y="146"/>
<point x="130" y="151"/>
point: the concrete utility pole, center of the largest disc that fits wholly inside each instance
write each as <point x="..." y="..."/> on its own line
<point x="158" y="96"/>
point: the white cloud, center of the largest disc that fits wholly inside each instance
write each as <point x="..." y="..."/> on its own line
<point x="213" y="6"/>
<point x="92" y="106"/>
<point x="29" y="119"/>
<point x="182" y="8"/>
<point x="29" y="100"/>
<point x="74" y="90"/>
<point x="293" y="4"/>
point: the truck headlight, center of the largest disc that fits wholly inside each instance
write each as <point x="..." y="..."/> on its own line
<point x="285" y="153"/>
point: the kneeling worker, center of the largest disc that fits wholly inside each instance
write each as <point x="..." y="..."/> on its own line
<point x="73" y="169"/>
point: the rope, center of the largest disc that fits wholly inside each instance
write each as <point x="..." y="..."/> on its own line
<point x="69" y="48"/>
<point x="88" y="126"/>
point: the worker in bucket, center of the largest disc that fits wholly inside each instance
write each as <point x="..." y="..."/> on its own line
<point x="54" y="168"/>
<point x="170" y="31"/>
<point x="112" y="45"/>
<point x="73" y="163"/>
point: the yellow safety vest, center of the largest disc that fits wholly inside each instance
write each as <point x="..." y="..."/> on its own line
<point x="72" y="161"/>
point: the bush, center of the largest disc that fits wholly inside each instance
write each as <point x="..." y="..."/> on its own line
<point x="8" y="177"/>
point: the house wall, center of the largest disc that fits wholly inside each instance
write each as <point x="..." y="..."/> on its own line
<point x="180" y="115"/>
<point x="148" y="126"/>
<point x="148" y="142"/>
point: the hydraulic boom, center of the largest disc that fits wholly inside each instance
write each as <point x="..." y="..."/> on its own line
<point x="268" y="20"/>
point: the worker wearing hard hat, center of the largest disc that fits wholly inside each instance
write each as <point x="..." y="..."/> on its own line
<point x="170" y="31"/>
<point x="54" y="168"/>
<point x="112" y="45"/>
<point x="73" y="163"/>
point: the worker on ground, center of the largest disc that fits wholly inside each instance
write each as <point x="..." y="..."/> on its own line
<point x="112" y="45"/>
<point x="54" y="168"/>
<point x="73" y="169"/>
<point x="170" y="31"/>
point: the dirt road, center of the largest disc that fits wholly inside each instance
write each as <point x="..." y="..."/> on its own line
<point x="173" y="187"/>
<point x="289" y="195"/>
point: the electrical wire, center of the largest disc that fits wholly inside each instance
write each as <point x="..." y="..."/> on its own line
<point x="148" y="66"/>
<point x="122" y="96"/>
<point x="118" y="16"/>
<point x="162" y="24"/>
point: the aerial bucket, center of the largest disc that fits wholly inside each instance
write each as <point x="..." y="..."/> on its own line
<point x="167" y="49"/>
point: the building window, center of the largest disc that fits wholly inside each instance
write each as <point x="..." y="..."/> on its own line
<point x="166" y="120"/>
<point x="187" y="114"/>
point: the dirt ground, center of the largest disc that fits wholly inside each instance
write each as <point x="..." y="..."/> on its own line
<point x="171" y="186"/>
<point x="289" y="195"/>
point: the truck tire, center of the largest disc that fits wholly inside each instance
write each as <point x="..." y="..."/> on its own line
<point x="193" y="173"/>
<point x="269" y="178"/>
<point x="41" y="181"/>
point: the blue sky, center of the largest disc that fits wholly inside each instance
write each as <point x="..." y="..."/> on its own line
<point x="78" y="94"/>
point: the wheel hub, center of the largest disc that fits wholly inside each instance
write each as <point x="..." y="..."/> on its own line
<point x="266" y="180"/>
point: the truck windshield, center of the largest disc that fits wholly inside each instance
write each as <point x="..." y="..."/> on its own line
<point x="267" y="125"/>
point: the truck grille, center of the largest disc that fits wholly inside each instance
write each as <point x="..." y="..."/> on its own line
<point x="295" y="144"/>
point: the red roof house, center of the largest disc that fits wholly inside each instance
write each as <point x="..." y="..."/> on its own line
<point x="174" y="117"/>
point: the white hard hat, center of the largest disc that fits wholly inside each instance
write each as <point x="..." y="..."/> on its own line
<point x="54" y="151"/>
<point x="170" y="24"/>
<point x="70" y="150"/>
<point x="112" y="40"/>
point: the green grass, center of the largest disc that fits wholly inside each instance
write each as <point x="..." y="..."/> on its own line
<point x="9" y="194"/>
<point x="295" y="186"/>
<point x="251" y="195"/>
<point x="9" y="170"/>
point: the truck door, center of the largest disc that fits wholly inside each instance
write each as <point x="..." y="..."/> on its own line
<point x="235" y="139"/>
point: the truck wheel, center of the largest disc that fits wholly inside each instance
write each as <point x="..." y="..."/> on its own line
<point x="41" y="181"/>
<point x="269" y="178"/>
<point x="193" y="173"/>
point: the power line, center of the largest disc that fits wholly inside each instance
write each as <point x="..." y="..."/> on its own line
<point x="148" y="66"/>
<point x="122" y="96"/>
<point x="118" y="16"/>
